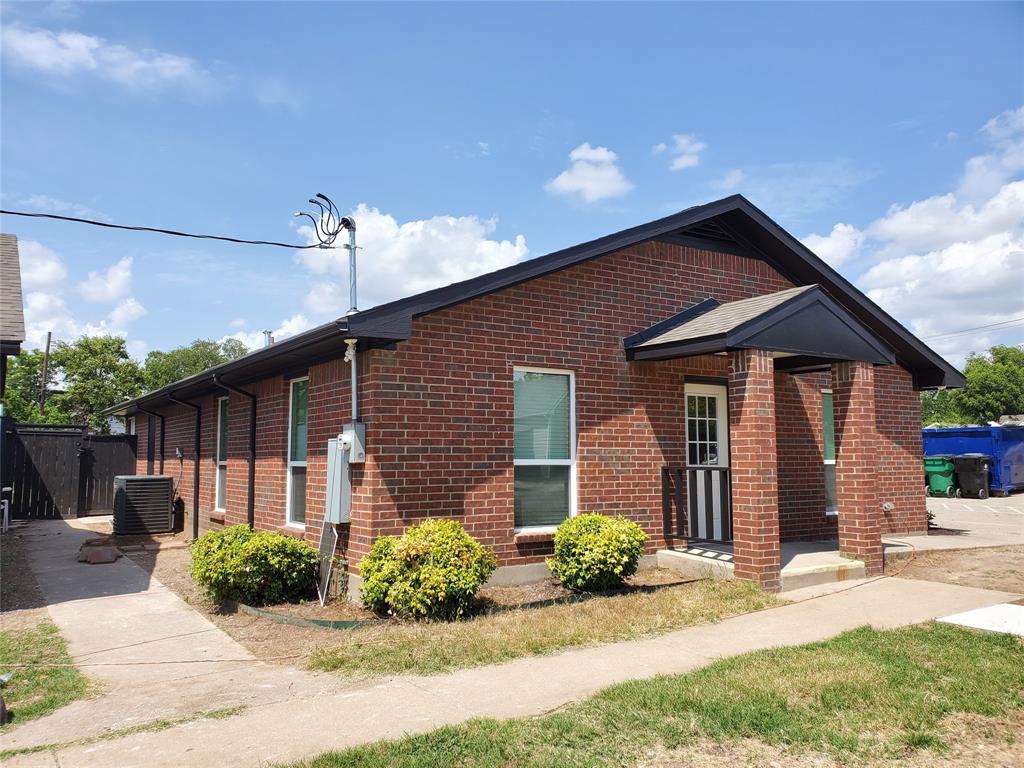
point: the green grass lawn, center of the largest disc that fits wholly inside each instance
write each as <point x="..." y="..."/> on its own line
<point x="38" y="690"/>
<point x="426" y="647"/>
<point x="864" y="694"/>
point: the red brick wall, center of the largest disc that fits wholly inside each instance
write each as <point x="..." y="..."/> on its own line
<point x="798" y="429"/>
<point x="752" y="452"/>
<point x="857" y="486"/>
<point x="900" y="475"/>
<point x="439" y="408"/>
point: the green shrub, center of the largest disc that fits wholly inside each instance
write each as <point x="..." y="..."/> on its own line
<point x="595" y="552"/>
<point x="254" y="568"/>
<point x="432" y="571"/>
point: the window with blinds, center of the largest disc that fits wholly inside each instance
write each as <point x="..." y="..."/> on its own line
<point x="544" y="447"/>
<point x="298" y="424"/>
<point x="222" y="454"/>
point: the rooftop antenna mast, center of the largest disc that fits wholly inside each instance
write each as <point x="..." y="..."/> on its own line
<point x="327" y="225"/>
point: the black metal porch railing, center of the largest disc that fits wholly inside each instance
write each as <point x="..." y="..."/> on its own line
<point x="706" y="513"/>
<point x="673" y="510"/>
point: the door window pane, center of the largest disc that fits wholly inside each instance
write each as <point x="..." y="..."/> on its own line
<point x="299" y="419"/>
<point x="541" y="495"/>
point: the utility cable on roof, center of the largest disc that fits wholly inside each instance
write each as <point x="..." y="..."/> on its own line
<point x="158" y="230"/>
<point x="327" y="224"/>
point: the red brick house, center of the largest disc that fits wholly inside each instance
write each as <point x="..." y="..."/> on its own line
<point x="704" y="374"/>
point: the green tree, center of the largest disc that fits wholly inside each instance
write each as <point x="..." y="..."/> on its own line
<point x="163" y="368"/>
<point x="97" y="372"/>
<point x="995" y="385"/>
<point x="21" y="399"/>
<point x="994" y="388"/>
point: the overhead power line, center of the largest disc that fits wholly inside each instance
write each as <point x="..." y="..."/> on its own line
<point x="161" y="231"/>
<point x="1005" y="323"/>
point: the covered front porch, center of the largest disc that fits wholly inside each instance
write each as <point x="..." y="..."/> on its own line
<point x="744" y="451"/>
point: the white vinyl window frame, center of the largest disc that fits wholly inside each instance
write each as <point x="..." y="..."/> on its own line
<point x="833" y="512"/>
<point x="220" y="489"/>
<point x="721" y="394"/>
<point x="129" y="425"/>
<point x="288" y="437"/>
<point x="570" y="462"/>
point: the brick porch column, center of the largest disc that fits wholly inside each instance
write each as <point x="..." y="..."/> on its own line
<point x="857" y="493"/>
<point x="755" y="493"/>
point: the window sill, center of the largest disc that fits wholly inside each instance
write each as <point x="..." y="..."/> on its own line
<point x="217" y="516"/>
<point x="293" y="530"/>
<point x="534" y="535"/>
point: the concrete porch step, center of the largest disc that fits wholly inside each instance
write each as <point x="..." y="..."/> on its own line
<point x="804" y="569"/>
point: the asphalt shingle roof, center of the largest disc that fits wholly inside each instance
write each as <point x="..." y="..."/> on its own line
<point x="12" y="313"/>
<point x="726" y="317"/>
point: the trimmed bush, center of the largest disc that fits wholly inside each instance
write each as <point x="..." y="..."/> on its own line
<point x="255" y="568"/>
<point x="432" y="571"/>
<point x="594" y="553"/>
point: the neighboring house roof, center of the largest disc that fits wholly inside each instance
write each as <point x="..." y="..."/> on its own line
<point x="732" y="224"/>
<point x="12" y="314"/>
<point x="803" y="325"/>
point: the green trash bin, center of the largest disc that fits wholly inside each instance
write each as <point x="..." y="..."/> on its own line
<point x="939" y="475"/>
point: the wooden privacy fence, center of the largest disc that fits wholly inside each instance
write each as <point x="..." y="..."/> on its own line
<point x="58" y="470"/>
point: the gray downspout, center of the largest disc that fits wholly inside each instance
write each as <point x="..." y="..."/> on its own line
<point x="251" y="500"/>
<point x="197" y="444"/>
<point x="162" y="433"/>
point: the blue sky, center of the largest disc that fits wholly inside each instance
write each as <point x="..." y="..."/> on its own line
<point x="889" y="137"/>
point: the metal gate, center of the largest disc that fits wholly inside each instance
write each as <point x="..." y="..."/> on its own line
<point x="62" y="470"/>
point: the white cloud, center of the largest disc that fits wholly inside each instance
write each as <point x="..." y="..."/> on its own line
<point x="125" y="313"/>
<point x="44" y="280"/>
<point x="839" y="245"/>
<point x="730" y="181"/>
<point x="685" y="150"/>
<point x="939" y="220"/>
<point x="254" y="339"/>
<point x="398" y="259"/>
<point x="53" y="205"/>
<point x="794" y="191"/>
<point x="953" y="261"/>
<point x="592" y="175"/>
<point x="67" y="53"/>
<point x="985" y="174"/>
<point x="40" y="267"/>
<point x="277" y="92"/>
<point x="111" y="285"/>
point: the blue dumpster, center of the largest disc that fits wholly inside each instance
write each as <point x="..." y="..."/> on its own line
<point x="1004" y="444"/>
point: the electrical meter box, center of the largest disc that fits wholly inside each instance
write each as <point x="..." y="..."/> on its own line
<point x="355" y="434"/>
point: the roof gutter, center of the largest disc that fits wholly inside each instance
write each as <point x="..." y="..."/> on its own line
<point x="196" y="444"/>
<point x="250" y="510"/>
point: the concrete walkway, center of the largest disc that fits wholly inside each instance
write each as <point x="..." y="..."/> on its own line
<point x="153" y="655"/>
<point x="967" y="524"/>
<point x="294" y="715"/>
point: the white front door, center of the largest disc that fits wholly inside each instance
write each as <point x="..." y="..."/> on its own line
<point x="707" y="462"/>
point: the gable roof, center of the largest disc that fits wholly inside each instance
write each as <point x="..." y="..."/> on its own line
<point x="732" y="224"/>
<point x="12" y="313"/>
<point x="800" y="322"/>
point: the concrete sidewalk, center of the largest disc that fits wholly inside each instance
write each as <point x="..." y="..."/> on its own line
<point x="301" y="725"/>
<point x="153" y="655"/>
